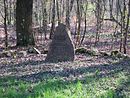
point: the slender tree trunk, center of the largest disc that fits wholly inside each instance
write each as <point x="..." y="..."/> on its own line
<point x="44" y="22"/>
<point x="68" y="14"/>
<point x="85" y="22"/>
<point x="53" y="20"/>
<point x="5" y="23"/>
<point x="79" y="22"/>
<point x="58" y="11"/>
<point x="85" y="29"/>
<point x="126" y="29"/>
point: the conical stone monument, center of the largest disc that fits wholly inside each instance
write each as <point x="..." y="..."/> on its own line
<point x="61" y="48"/>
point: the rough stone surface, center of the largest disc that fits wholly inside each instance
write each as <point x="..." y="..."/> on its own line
<point x="61" y="48"/>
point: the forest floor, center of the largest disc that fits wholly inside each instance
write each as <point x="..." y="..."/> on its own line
<point x="86" y="77"/>
<point x="28" y="76"/>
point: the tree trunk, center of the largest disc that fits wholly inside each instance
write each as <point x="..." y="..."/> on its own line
<point x="5" y="24"/>
<point x="53" y="20"/>
<point x="24" y="23"/>
<point x="67" y="14"/>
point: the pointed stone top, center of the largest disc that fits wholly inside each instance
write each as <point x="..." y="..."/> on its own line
<point x="61" y="48"/>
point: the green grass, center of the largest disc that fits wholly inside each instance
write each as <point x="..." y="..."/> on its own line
<point x="91" y="87"/>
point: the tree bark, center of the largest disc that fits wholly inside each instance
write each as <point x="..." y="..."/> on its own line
<point x="5" y="24"/>
<point x="24" y="23"/>
<point x="53" y="20"/>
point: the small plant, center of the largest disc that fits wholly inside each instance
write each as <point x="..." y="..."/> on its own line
<point x="81" y="50"/>
<point x="97" y="72"/>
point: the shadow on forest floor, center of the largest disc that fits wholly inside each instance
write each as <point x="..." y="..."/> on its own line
<point x="70" y="76"/>
<point x="84" y="75"/>
<point x="100" y="71"/>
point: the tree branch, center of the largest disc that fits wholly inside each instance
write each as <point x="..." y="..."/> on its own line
<point x="113" y="20"/>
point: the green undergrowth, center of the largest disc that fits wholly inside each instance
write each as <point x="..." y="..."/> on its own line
<point x="115" y="86"/>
